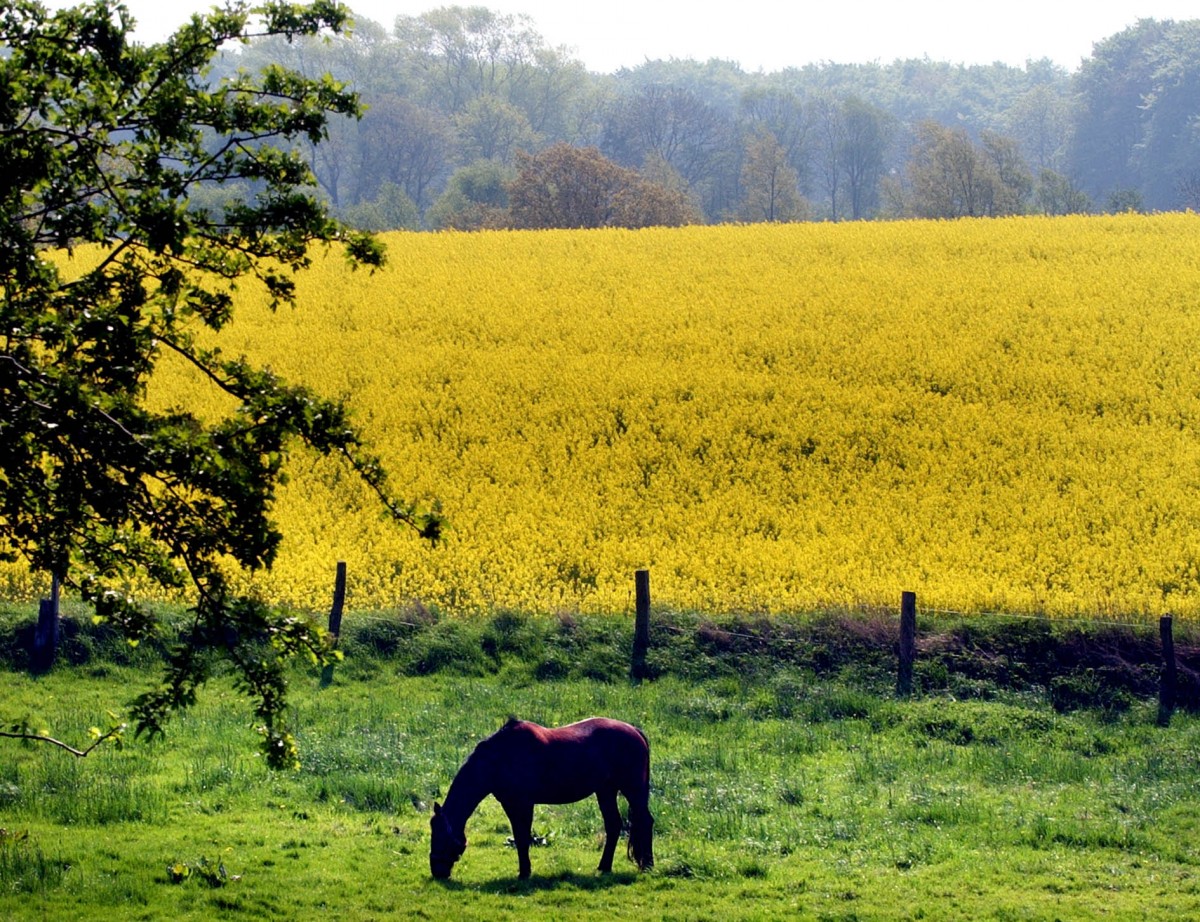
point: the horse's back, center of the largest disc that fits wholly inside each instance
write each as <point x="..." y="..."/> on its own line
<point x="605" y="737"/>
<point x="600" y="726"/>
<point x="565" y="764"/>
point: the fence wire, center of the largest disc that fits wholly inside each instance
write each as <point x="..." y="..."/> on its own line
<point x="359" y="618"/>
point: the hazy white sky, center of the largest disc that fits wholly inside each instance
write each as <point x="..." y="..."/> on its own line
<point x="773" y="34"/>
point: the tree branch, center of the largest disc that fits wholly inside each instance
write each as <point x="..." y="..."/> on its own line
<point x="80" y="753"/>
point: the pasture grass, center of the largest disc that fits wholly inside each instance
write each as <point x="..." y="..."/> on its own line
<point x="787" y="779"/>
<point x="778" y="791"/>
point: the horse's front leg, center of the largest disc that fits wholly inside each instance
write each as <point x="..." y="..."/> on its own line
<point x="612" y="827"/>
<point x="520" y="815"/>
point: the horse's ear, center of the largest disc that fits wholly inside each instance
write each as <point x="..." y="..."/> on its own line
<point x="437" y="809"/>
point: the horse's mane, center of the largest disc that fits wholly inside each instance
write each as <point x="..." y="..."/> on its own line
<point x="509" y="724"/>
<point x="483" y="744"/>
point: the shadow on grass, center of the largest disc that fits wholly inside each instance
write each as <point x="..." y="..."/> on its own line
<point x="539" y="882"/>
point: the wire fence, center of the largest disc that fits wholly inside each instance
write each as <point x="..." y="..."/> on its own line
<point x="906" y="647"/>
<point x="1017" y="616"/>
<point x="45" y="638"/>
<point x="921" y="611"/>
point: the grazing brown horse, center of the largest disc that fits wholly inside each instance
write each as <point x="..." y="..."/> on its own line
<point x="522" y="764"/>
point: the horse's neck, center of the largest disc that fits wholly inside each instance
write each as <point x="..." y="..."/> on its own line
<point x="469" y="787"/>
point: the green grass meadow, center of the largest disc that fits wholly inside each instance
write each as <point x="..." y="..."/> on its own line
<point x="778" y="792"/>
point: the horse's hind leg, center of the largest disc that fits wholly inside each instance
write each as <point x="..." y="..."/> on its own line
<point x="612" y="827"/>
<point x="520" y="815"/>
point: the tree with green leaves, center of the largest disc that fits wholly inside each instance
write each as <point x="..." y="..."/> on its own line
<point x="107" y="266"/>
<point x="1110" y="116"/>
<point x="1055" y="193"/>
<point x="770" y="187"/>
<point x="404" y="144"/>
<point x="953" y="177"/>
<point x="866" y="134"/>
<point x="476" y="198"/>
<point x="1011" y="180"/>
<point x="392" y="209"/>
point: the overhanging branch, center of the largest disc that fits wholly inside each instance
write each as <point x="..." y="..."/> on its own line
<point x="80" y="753"/>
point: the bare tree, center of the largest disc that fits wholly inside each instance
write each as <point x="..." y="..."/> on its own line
<point x="830" y="128"/>
<point x="672" y="124"/>
<point x="1189" y="190"/>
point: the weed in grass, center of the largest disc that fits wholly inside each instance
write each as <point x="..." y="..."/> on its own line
<point x="752" y="868"/>
<point x="939" y="807"/>
<point x="1089" y="688"/>
<point x="874" y="767"/>
<point x="224" y="768"/>
<point x="70" y="792"/>
<point x="688" y="868"/>
<point x="24" y="867"/>
<point x="836" y="703"/>
<point x="368" y="793"/>
<point x="449" y="647"/>
<point x="211" y="873"/>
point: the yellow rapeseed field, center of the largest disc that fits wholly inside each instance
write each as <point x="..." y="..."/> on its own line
<point x="998" y="415"/>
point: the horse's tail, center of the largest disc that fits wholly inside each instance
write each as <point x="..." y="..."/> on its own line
<point x="641" y="838"/>
<point x="641" y="823"/>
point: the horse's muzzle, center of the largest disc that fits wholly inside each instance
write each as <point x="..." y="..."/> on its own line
<point x="440" y="869"/>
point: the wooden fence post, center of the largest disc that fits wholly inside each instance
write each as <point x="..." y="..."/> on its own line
<point x="1167" y="682"/>
<point x="45" y="634"/>
<point x="335" y="616"/>
<point x="339" y="600"/>
<point x="908" y="642"/>
<point x="641" y="627"/>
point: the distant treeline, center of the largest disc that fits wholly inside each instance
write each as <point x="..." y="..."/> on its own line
<point x="465" y="102"/>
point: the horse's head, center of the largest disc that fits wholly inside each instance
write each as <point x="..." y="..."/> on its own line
<point x="445" y="845"/>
